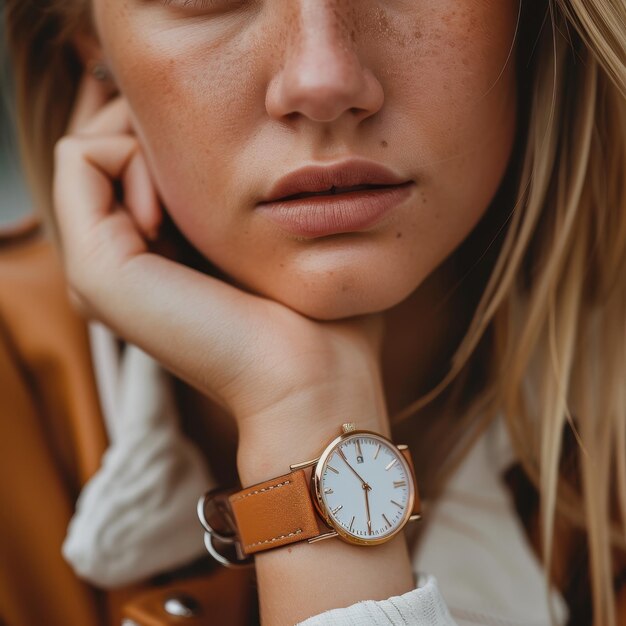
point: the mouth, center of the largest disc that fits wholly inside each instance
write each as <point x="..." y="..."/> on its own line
<point x="345" y="178"/>
<point x="318" y="201"/>
<point x="333" y="191"/>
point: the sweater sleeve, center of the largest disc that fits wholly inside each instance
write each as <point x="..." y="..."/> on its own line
<point x="422" y="606"/>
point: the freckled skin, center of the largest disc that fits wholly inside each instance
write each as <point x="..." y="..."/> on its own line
<point x="226" y="100"/>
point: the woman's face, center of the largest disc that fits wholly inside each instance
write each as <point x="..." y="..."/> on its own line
<point x="229" y="96"/>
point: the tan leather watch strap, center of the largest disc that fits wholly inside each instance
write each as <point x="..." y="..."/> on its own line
<point x="274" y="513"/>
<point x="280" y="511"/>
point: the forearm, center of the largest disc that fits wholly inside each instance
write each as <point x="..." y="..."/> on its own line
<point x="301" y="580"/>
<point x="305" y="579"/>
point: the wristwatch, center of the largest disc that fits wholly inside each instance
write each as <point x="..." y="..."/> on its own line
<point x="362" y="489"/>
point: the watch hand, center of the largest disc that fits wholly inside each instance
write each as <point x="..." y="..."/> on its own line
<point x="343" y="456"/>
<point x="367" y="506"/>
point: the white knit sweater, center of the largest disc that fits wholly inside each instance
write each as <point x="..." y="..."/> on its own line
<point x="472" y="566"/>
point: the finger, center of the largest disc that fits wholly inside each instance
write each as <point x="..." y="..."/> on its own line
<point x="113" y="118"/>
<point x="93" y="112"/>
<point x="140" y="196"/>
<point x="84" y="168"/>
<point x="90" y="98"/>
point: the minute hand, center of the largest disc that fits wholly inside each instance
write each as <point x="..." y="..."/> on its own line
<point x="343" y="456"/>
<point x="369" y="517"/>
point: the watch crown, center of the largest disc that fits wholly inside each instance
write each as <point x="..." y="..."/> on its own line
<point x="349" y="427"/>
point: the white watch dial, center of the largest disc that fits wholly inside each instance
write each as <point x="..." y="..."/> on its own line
<point x="366" y="486"/>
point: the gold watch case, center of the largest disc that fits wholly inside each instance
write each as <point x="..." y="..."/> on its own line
<point x="318" y="500"/>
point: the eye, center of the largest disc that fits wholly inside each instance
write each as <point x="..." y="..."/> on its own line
<point x="202" y="4"/>
<point x="193" y="4"/>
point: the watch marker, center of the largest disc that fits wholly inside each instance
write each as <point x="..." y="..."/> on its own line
<point x="399" y="483"/>
<point x="377" y="451"/>
<point x="352" y="522"/>
<point x="388" y="522"/>
<point x="369" y="527"/>
<point x="328" y="490"/>
<point x="390" y="465"/>
<point x="399" y="505"/>
<point x="332" y="469"/>
<point x="358" y="447"/>
<point x="338" y="508"/>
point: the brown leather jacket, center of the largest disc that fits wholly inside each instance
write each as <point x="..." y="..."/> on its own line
<point x="51" y="441"/>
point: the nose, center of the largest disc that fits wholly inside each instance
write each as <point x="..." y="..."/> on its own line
<point x="322" y="77"/>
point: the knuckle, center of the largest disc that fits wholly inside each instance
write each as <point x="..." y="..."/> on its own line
<point x="67" y="144"/>
<point x="73" y="279"/>
<point x="77" y="301"/>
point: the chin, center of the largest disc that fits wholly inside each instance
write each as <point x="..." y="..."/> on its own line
<point x="322" y="299"/>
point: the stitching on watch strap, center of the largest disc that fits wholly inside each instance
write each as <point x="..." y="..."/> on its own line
<point x="273" y="539"/>
<point x="257" y="491"/>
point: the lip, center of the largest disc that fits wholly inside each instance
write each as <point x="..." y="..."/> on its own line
<point x="346" y="211"/>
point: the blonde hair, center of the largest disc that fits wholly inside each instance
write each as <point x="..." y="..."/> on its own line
<point x="549" y="330"/>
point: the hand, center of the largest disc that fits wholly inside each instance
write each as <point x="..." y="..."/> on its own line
<point x="287" y="379"/>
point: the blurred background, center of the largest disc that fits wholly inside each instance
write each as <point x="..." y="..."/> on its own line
<point x="14" y="202"/>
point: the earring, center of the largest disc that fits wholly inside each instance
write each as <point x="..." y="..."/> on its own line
<point x="100" y="71"/>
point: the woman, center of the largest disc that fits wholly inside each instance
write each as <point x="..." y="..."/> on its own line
<point x="465" y="256"/>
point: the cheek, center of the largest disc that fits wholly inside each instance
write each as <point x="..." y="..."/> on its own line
<point x="191" y="99"/>
<point x="457" y="99"/>
<point x="454" y="74"/>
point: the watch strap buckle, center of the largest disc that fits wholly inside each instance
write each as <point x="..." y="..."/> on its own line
<point x="220" y="531"/>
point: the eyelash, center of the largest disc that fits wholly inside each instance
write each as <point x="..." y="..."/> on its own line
<point x="192" y="4"/>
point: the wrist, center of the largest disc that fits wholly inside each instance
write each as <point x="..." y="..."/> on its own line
<point x="298" y="429"/>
